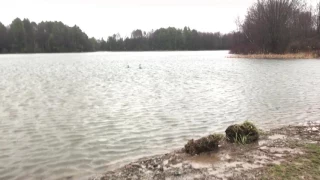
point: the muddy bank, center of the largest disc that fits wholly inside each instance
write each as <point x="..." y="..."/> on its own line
<point x="269" y="158"/>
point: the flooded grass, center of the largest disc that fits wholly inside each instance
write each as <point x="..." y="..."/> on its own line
<point x="276" y="56"/>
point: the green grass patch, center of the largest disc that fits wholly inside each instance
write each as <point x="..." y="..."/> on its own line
<point x="306" y="166"/>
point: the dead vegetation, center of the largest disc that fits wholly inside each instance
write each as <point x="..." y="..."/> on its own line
<point x="205" y="144"/>
<point x="309" y="55"/>
<point x="244" y="133"/>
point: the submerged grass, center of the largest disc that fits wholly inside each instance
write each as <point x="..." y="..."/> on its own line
<point x="306" y="166"/>
<point x="309" y="55"/>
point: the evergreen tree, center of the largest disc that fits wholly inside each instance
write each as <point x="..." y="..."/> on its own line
<point x="3" y="38"/>
<point x="17" y="36"/>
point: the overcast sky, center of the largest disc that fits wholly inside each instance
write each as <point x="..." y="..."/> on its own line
<point x="101" y="18"/>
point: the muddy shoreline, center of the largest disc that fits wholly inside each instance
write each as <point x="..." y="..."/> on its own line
<point x="231" y="161"/>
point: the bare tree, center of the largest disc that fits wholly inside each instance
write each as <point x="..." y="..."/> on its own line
<point x="271" y="26"/>
<point x="136" y="34"/>
<point x="318" y="18"/>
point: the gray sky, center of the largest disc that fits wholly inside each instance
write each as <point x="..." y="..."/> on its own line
<point x="101" y="18"/>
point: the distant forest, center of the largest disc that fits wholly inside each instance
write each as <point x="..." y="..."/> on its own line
<point x="278" y="26"/>
<point x="23" y="36"/>
<point x="270" y="26"/>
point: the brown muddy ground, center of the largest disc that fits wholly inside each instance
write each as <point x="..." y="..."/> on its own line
<point x="231" y="161"/>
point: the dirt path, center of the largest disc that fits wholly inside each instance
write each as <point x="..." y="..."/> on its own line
<point x="280" y="154"/>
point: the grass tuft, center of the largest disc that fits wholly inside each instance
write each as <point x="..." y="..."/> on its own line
<point x="244" y="133"/>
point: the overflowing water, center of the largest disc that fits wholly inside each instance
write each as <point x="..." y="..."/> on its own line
<point x="70" y="116"/>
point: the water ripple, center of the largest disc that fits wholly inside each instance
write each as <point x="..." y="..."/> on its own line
<point x="69" y="116"/>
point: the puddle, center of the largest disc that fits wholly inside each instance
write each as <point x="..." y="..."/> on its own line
<point x="310" y="123"/>
<point x="277" y="136"/>
<point x="209" y="160"/>
<point x="313" y="129"/>
<point x="263" y="142"/>
<point x="205" y="159"/>
<point x="280" y="150"/>
<point x="226" y="169"/>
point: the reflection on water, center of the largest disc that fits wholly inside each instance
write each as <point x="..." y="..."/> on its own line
<point x="73" y="115"/>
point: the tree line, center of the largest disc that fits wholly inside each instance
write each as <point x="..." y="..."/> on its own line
<point x="278" y="26"/>
<point x="169" y="39"/>
<point x="270" y="26"/>
<point x="23" y="36"/>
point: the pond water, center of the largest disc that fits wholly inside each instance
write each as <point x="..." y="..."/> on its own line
<point x="70" y="116"/>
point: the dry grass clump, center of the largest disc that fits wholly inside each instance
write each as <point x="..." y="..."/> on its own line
<point x="244" y="133"/>
<point x="309" y="55"/>
<point x="205" y="144"/>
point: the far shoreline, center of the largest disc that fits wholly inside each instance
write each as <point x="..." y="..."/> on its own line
<point x="307" y="55"/>
<point x="83" y="52"/>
